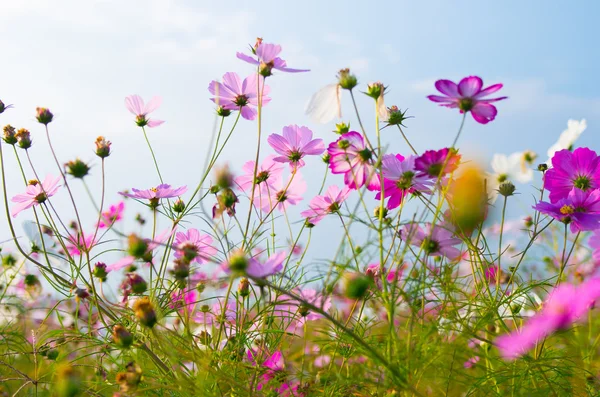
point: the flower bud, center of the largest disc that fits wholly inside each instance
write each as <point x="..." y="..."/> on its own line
<point x="77" y="168"/>
<point x="178" y="206"/>
<point x="137" y="246"/>
<point x="238" y="261"/>
<point x="44" y="116"/>
<point x="3" y="107"/>
<point x="226" y="202"/>
<point x="244" y="287"/>
<point x="181" y="270"/>
<point x="139" y="219"/>
<point x="224" y="178"/>
<point x="81" y="294"/>
<point x="375" y="90"/>
<point x="136" y="283"/>
<point x="528" y="222"/>
<point x="23" y="138"/>
<point x="130" y="379"/>
<point x="378" y="212"/>
<point x="357" y="285"/>
<point x="121" y="336"/>
<point x="342" y="128"/>
<point x="326" y="157"/>
<point x="102" y="147"/>
<point x="8" y="260"/>
<point x="205" y="338"/>
<point x="396" y="116"/>
<point x="144" y="311"/>
<point x="221" y="111"/>
<point x="506" y="189"/>
<point x="100" y="271"/>
<point x="10" y="135"/>
<point x="346" y="80"/>
<point x="542" y="167"/>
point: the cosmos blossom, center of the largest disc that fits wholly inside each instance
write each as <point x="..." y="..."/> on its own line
<point x="135" y="105"/>
<point x="79" y="243"/>
<point x="282" y="194"/>
<point x="329" y="203"/>
<point x="235" y="94"/>
<point x="437" y="163"/>
<point x="580" y="210"/>
<point x="195" y="245"/>
<point x="128" y="260"/>
<point x="435" y="240"/>
<point x="154" y="194"/>
<point x="267" y="59"/>
<point x="35" y="194"/>
<point x="295" y="143"/>
<point x="349" y="155"/>
<point x="114" y="214"/>
<point x="274" y="264"/>
<point x="401" y="178"/>
<point x="268" y="173"/>
<point x="567" y="138"/>
<point x="580" y="169"/>
<point x="468" y="96"/>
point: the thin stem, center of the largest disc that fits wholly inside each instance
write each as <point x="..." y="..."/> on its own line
<point x="153" y="156"/>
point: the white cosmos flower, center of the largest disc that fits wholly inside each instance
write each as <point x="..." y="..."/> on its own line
<point x="325" y="104"/>
<point x="513" y="168"/>
<point x="520" y="305"/>
<point x="568" y="137"/>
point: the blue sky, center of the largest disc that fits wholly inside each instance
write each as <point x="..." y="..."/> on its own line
<point x="81" y="59"/>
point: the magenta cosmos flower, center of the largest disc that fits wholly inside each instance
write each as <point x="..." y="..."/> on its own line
<point x="468" y="96"/>
<point x="35" y="193"/>
<point x="135" y="104"/>
<point x="267" y="59"/>
<point x="435" y="240"/>
<point x="295" y="143"/>
<point x="282" y="194"/>
<point x="80" y="243"/>
<point x="349" y="155"/>
<point x="156" y="193"/>
<point x="565" y="305"/>
<point x="114" y="214"/>
<point x="329" y="203"/>
<point x="401" y="178"/>
<point x="268" y="173"/>
<point x="579" y="169"/>
<point x="192" y="244"/>
<point x="437" y="163"/>
<point x="579" y="209"/>
<point x="235" y="94"/>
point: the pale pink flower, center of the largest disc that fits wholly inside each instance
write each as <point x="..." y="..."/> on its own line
<point x="267" y="59"/>
<point x="192" y="242"/>
<point x="349" y="155"/>
<point x="295" y="143"/>
<point x="282" y="194"/>
<point x="235" y="94"/>
<point x="329" y="203"/>
<point x="135" y="104"/>
<point x="268" y="173"/>
<point x="156" y="193"/>
<point x="36" y="193"/>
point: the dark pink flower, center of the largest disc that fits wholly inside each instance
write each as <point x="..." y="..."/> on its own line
<point x="267" y="59"/>
<point x="329" y="203"/>
<point x="35" y="193"/>
<point x="437" y="163"/>
<point x="268" y="173"/>
<point x="349" y="155"/>
<point x="114" y="214"/>
<point x="195" y="245"/>
<point x="579" y="209"/>
<point x="435" y="240"/>
<point x="401" y="178"/>
<point x="135" y="104"/>
<point x="468" y="96"/>
<point x="153" y="194"/>
<point x="235" y="94"/>
<point x="579" y="169"/>
<point x="295" y="143"/>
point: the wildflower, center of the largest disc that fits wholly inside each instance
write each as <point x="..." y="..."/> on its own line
<point x="349" y="155"/>
<point x="267" y="59"/>
<point x="100" y="271"/>
<point x="580" y="169"/>
<point x="376" y="91"/>
<point x="77" y="168"/>
<point x="223" y="177"/>
<point x="467" y="199"/>
<point x="271" y="266"/>
<point x="580" y="209"/>
<point x="395" y="116"/>
<point x="135" y="105"/>
<point x="23" y="138"/>
<point x="110" y="217"/>
<point x="195" y="247"/>
<point x="401" y="178"/>
<point x="154" y="194"/>
<point x="282" y="194"/>
<point x="10" y="135"/>
<point x="36" y="193"/>
<point x="565" y="305"/>
<point x="437" y="163"/>
<point x="234" y="94"/>
<point x="102" y="147"/>
<point x="226" y="201"/>
<point x="121" y="336"/>
<point x="329" y="203"/>
<point x="357" y="285"/>
<point x="3" y="107"/>
<point x="567" y="138"/>
<point x="80" y="243"/>
<point x="435" y="240"/>
<point x="506" y="189"/>
<point x="295" y="143"/>
<point x="144" y="311"/>
<point x="268" y="173"/>
<point x="43" y="116"/>
<point x="468" y="96"/>
<point x="347" y="80"/>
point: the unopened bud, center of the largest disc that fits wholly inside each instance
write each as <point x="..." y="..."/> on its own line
<point x="23" y="138"/>
<point x="77" y="168"/>
<point x="10" y="134"/>
<point x="375" y="90"/>
<point x="357" y="285"/>
<point x="221" y="111"/>
<point x="130" y="379"/>
<point x="542" y="167"/>
<point x="506" y="189"/>
<point x="121" y="336"/>
<point x="102" y="147"/>
<point x="100" y="271"/>
<point x="224" y="178"/>
<point x="44" y="116"/>
<point x="3" y="107"/>
<point x="144" y="311"/>
<point x="342" y="128"/>
<point x="137" y="246"/>
<point x="137" y="283"/>
<point x="346" y="80"/>
<point x="179" y="206"/>
<point x="396" y="116"/>
<point x="244" y="287"/>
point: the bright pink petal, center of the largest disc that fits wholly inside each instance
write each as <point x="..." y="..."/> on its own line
<point x="447" y="87"/>
<point x="469" y="86"/>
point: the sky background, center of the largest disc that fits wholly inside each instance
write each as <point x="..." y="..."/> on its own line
<point x="81" y="58"/>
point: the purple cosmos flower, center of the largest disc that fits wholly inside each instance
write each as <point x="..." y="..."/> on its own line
<point x="268" y="173"/>
<point x="271" y="266"/>
<point x="35" y="193"/>
<point x="580" y="169"/>
<point x="349" y="155"/>
<point x="235" y="94"/>
<point x="579" y="209"/>
<point x="401" y="178"/>
<point x="295" y="143"/>
<point x="435" y="240"/>
<point x="330" y="202"/>
<point x="565" y="305"/>
<point x="154" y="194"/>
<point x="114" y="214"/>
<point x="192" y="244"/>
<point x="267" y="59"/>
<point x="468" y="96"/>
<point x="437" y="163"/>
<point x="282" y="194"/>
<point x="135" y="104"/>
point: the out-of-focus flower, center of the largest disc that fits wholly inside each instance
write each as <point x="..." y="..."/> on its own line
<point x="135" y="105"/>
<point x="295" y="143"/>
<point x="268" y="173"/>
<point x="282" y="194"/>
<point x="193" y="246"/>
<point x="468" y="96"/>
<point x="36" y="193"/>
<point x="43" y="115"/>
<point x="79" y="243"/>
<point x="437" y="163"/>
<point x="435" y="240"/>
<point x="467" y="200"/>
<point x="235" y="94"/>
<point x="579" y="169"/>
<point x="267" y="59"/>
<point x="349" y="155"/>
<point x="110" y="217"/>
<point x="154" y="194"/>
<point x="329" y="203"/>
<point x="102" y="147"/>
<point x="580" y="210"/>
<point x="272" y="265"/>
<point x="567" y="138"/>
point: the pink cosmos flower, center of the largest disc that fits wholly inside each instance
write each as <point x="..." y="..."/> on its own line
<point x="295" y="143"/>
<point x="594" y="243"/>
<point x="468" y="96"/>
<point x="470" y="363"/>
<point x="268" y="173"/>
<point x="580" y="169"/>
<point x="271" y="266"/>
<point x="216" y="313"/>
<point x="267" y="59"/>
<point x="80" y="243"/>
<point x="110" y="217"/>
<point x="329" y="203"/>
<point x="35" y="193"/>
<point x="235" y="94"/>
<point x="435" y="240"/>
<point x="437" y="163"/>
<point x="401" y="178"/>
<point x="154" y="194"/>
<point x="128" y="260"/>
<point x="135" y="104"/>
<point x="282" y="194"/>
<point x="349" y="155"/>
<point x="581" y="210"/>
<point x="193" y="243"/>
<point x="566" y="304"/>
